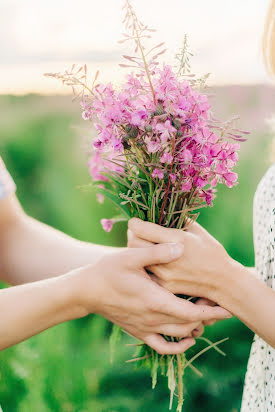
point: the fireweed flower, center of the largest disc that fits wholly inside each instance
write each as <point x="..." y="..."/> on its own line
<point x="166" y="158"/>
<point x="138" y="117"/>
<point x="158" y="173"/>
<point x="107" y="224"/>
<point x="157" y="152"/>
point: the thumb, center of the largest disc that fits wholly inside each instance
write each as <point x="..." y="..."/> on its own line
<point x="156" y="254"/>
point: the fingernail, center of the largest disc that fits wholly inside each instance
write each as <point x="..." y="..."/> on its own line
<point x="176" y="250"/>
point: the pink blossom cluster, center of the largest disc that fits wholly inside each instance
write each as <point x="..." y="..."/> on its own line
<point x="173" y="127"/>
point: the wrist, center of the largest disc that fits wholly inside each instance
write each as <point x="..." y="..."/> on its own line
<point x="84" y="290"/>
<point x="72" y="292"/>
<point x="227" y="281"/>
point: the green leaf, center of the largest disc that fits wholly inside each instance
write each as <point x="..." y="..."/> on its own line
<point x="116" y="200"/>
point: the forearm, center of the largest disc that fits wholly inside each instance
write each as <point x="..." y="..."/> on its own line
<point x="29" y="309"/>
<point x="251" y="300"/>
<point x="32" y="251"/>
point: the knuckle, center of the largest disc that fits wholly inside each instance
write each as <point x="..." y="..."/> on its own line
<point x="135" y="225"/>
<point x="153" y="306"/>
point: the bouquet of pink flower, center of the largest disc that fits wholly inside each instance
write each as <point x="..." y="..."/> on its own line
<point x="158" y="153"/>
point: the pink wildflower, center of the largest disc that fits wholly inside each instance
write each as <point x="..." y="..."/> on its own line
<point x="230" y="179"/>
<point x="173" y="177"/>
<point x="153" y="146"/>
<point x="186" y="186"/>
<point x="107" y="224"/>
<point x="200" y="182"/>
<point x="138" y="116"/>
<point x="165" y="129"/>
<point x="158" y="173"/>
<point x="87" y="114"/>
<point x="166" y="158"/>
<point x="100" y="198"/>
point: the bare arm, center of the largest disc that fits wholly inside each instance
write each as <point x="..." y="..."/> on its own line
<point x="31" y="250"/>
<point x="205" y="269"/>
<point x="31" y="308"/>
<point x="116" y="287"/>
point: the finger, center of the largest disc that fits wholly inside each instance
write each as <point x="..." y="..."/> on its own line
<point x="154" y="233"/>
<point x="160" y="345"/>
<point x="154" y="255"/>
<point x="209" y="322"/>
<point x="213" y="313"/>
<point x="196" y="333"/>
<point x="188" y="311"/>
<point x="204" y="301"/>
<point x="196" y="228"/>
<point x="179" y="330"/>
<point x="134" y="241"/>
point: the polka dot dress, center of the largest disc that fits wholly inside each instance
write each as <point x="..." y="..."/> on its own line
<point x="259" y="388"/>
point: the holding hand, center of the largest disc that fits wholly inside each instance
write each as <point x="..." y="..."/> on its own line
<point x="198" y="271"/>
<point x="125" y="294"/>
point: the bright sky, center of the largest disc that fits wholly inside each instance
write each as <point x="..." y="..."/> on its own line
<point x="43" y="36"/>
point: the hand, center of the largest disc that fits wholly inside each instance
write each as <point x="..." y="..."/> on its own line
<point x="122" y="291"/>
<point x="134" y="241"/>
<point x="199" y="270"/>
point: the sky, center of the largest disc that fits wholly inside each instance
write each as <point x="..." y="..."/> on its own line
<point x="40" y="36"/>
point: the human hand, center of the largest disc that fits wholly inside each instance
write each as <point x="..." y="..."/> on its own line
<point x="118" y="288"/>
<point x="199" y="270"/>
<point x="134" y="241"/>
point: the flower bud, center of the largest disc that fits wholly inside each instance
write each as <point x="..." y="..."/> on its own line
<point x="133" y="132"/>
<point x="159" y="110"/>
<point x="148" y="128"/>
<point x="125" y="141"/>
<point x="177" y="124"/>
<point x="128" y="128"/>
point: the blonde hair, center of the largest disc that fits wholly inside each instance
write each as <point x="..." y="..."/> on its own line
<point x="269" y="40"/>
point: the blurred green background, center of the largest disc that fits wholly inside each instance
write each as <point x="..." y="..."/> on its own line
<point x="67" y="368"/>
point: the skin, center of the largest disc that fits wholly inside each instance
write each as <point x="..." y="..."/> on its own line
<point x="58" y="278"/>
<point x="205" y="269"/>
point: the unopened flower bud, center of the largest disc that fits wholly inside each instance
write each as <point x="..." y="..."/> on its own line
<point x="177" y="124"/>
<point x="133" y="132"/>
<point x="125" y="141"/>
<point x="128" y="128"/>
<point x="159" y="110"/>
<point x="148" y="128"/>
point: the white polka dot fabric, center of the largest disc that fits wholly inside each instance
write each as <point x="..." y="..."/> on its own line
<point x="259" y="388"/>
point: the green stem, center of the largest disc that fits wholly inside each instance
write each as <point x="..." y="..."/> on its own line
<point x="180" y="382"/>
